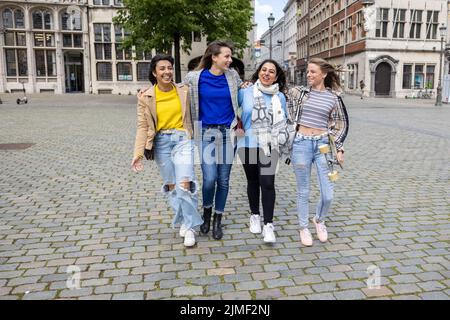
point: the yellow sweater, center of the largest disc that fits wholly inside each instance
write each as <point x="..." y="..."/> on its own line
<point x="168" y="110"/>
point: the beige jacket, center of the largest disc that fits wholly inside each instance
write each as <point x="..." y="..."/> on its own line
<point x="147" y="118"/>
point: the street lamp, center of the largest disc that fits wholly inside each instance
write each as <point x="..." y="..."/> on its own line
<point x="442" y="32"/>
<point x="271" y="20"/>
<point x="2" y="32"/>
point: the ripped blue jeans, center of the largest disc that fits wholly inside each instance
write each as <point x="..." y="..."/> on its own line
<point x="305" y="153"/>
<point x="174" y="155"/>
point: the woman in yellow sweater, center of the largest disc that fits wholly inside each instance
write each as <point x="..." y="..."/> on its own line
<point x="164" y="133"/>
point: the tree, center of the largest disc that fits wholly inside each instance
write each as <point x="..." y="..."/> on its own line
<point x="159" y="24"/>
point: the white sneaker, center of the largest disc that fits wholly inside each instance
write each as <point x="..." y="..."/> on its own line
<point x="183" y="230"/>
<point x="269" y="235"/>
<point x="321" y="230"/>
<point x="255" y="223"/>
<point x="305" y="237"/>
<point x="189" y="238"/>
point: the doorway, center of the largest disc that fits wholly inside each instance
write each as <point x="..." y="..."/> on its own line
<point x="73" y="68"/>
<point x="383" y="79"/>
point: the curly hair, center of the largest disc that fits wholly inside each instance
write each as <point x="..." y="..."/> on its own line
<point x="281" y="76"/>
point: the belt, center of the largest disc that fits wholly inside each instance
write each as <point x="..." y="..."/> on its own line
<point x="317" y="137"/>
<point x="216" y="126"/>
<point x="171" y="131"/>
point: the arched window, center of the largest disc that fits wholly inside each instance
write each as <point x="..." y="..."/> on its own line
<point x="42" y="20"/>
<point x="7" y="16"/>
<point x="19" y="19"/>
<point x="13" y="18"/>
<point x="14" y="42"/>
<point x="44" y="43"/>
<point x="71" y="26"/>
<point x="71" y="21"/>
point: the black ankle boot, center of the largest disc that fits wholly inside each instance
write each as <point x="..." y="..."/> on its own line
<point x="217" y="226"/>
<point x="204" y="228"/>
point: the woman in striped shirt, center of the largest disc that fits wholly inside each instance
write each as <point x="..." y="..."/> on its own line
<point x="319" y="112"/>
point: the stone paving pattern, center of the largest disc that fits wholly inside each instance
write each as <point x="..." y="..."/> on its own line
<point x="71" y="199"/>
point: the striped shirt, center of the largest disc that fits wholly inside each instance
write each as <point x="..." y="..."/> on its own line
<point x="317" y="108"/>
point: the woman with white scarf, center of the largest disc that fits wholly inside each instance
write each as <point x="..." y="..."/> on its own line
<point x="263" y="111"/>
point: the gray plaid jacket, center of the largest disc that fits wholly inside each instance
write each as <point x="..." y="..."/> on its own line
<point x="192" y="79"/>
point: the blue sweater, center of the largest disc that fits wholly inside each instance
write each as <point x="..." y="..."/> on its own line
<point x="215" y="99"/>
<point x="245" y="99"/>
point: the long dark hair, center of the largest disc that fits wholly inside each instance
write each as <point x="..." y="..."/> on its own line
<point x="213" y="49"/>
<point x="332" y="80"/>
<point x="154" y="62"/>
<point x="281" y="76"/>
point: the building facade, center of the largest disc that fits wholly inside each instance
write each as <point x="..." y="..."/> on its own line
<point x="394" y="47"/>
<point x="64" y="46"/>
<point x="290" y="39"/>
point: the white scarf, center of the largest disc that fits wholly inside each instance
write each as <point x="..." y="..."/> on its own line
<point x="265" y="120"/>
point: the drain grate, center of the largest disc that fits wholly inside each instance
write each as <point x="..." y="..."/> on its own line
<point x="15" y="146"/>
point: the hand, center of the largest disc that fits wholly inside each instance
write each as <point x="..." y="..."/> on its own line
<point x="246" y="84"/>
<point x="141" y="92"/>
<point x="340" y="157"/>
<point x="137" y="165"/>
<point x="239" y="132"/>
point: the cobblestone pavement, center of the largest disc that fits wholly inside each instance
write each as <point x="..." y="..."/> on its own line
<point x="71" y="200"/>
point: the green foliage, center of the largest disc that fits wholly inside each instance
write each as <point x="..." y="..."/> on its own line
<point x="155" y="24"/>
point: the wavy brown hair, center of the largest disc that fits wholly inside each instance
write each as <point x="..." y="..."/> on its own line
<point x="332" y="79"/>
<point x="213" y="49"/>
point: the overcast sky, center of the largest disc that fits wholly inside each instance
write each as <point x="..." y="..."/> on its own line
<point x="263" y="8"/>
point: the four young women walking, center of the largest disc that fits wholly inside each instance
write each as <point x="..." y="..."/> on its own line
<point x="205" y="109"/>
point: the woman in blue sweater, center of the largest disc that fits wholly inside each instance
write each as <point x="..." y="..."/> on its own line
<point x="213" y="91"/>
<point x="263" y="106"/>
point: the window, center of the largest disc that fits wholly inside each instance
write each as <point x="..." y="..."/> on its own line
<point x="124" y="71"/>
<point x="407" y="76"/>
<point x="197" y="36"/>
<point x="418" y="76"/>
<point x="72" y="40"/>
<point x="14" y="42"/>
<point x="143" y="71"/>
<point x="13" y="18"/>
<point x="102" y="32"/>
<point x="45" y="60"/>
<point x="146" y="56"/>
<point x="429" y="83"/>
<point x="101" y="2"/>
<point x="104" y="71"/>
<point x="349" y="27"/>
<point x="45" y="63"/>
<point x="44" y="39"/>
<point x="71" y="21"/>
<point x="432" y="24"/>
<point x="15" y="39"/>
<point x="118" y="2"/>
<point x="16" y="62"/>
<point x="121" y="53"/>
<point x="103" y="51"/>
<point x="42" y="20"/>
<point x="416" y="24"/>
<point x="7" y="17"/>
<point x="102" y="36"/>
<point x="382" y="23"/>
<point x="352" y="76"/>
<point x="399" y="23"/>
